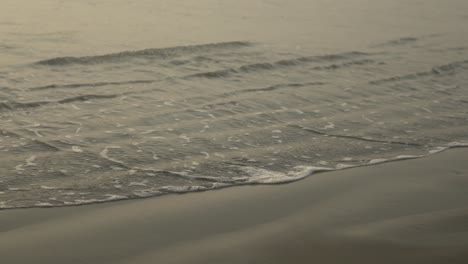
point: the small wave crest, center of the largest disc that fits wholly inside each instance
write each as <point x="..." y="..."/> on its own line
<point x="398" y="42"/>
<point x="268" y="66"/>
<point x="146" y="53"/>
<point x="436" y="70"/>
<point x="12" y="105"/>
<point x="95" y="84"/>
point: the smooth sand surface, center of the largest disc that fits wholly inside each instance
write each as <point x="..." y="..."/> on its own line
<point x="413" y="211"/>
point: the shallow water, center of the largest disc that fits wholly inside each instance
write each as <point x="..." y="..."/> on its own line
<point x="106" y="100"/>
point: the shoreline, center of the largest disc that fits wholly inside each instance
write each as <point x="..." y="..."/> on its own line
<point x="318" y="170"/>
<point x="411" y="211"/>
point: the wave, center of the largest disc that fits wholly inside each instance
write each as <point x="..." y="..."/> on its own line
<point x="213" y="74"/>
<point x="272" y="88"/>
<point x="399" y="78"/>
<point x="12" y="105"/>
<point x="96" y="84"/>
<point x="368" y="139"/>
<point x="267" y="66"/>
<point x="146" y="53"/>
<point x="404" y="41"/>
<point x="343" y="65"/>
<point x="6" y="46"/>
<point x="398" y="42"/>
<point x="248" y="68"/>
<point x="36" y="144"/>
<point x="450" y="66"/>
<point x="436" y="70"/>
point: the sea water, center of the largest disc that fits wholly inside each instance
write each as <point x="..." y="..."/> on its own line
<point x="107" y="100"/>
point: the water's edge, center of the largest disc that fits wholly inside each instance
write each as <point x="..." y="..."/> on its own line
<point x="308" y="172"/>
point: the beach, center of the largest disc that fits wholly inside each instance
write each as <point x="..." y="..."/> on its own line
<point x="401" y="212"/>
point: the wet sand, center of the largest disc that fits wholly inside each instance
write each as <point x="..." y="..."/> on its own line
<point x="412" y="211"/>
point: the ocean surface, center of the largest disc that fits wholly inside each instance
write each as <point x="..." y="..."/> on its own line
<point x="107" y="100"/>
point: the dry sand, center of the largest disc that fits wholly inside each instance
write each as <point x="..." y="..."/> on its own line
<point x="411" y="211"/>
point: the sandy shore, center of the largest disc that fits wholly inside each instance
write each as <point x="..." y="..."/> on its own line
<point x="412" y="211"/>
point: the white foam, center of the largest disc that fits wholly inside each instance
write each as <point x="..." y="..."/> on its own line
<point x="29" y="161"/>
<point x="425" y="109"/>
<point x="367" y="119"/>
<point x="112" y="197"/>
<point x="19" y="167"/>
<point x="109" y="197"/>
<point x="105" y="151"/>
<point x="377" y="161"/>
<point x="147" y="132"/>
<point x="15" y="189"/>
<point x="49" y="187"/>
<point x="185" y="137"/>
<point x="437" y="150"/>
<point x="403" y="157"/>
<point x="157" y="137"/>
<point x="344" y="166"/>
<point x="146" y="193"/>
<point x="175" y="189"/>
<point x="259" y="175"/>
<point x="36" y="132"/>
<point x="219" y="155"/>
<point x="155" y="157"/>
<point x="457" y="144"/>
<point x="77" y="149"/>
<point x="205" y="127"/>
<point x="142" y="183"/>
<point x="3" y="205"/>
